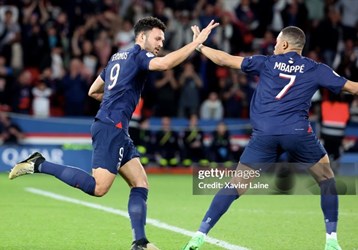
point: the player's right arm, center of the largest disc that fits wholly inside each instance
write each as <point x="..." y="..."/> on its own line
<point x="97" y="89"/>
<point x="176" y="57"/>
<point x="351" y="87"/>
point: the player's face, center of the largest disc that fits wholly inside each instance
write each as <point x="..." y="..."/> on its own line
<point x="154" y="40"/>
<point x="279" y="45"/>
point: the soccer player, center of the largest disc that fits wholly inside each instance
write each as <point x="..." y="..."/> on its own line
<point x="279" y="116"/>
<point x="118" y="87"/>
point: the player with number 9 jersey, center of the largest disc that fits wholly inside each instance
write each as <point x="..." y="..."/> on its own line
<point x="124" y="77"/>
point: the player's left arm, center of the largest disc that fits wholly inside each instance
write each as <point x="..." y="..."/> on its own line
<point x="97" y="89"/>
<point x="218" y="57"/>
<point x="221" y="58"/>
<point x="178" y="56"/>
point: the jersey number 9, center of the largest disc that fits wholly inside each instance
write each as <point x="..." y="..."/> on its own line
<point x="114" y="74"/>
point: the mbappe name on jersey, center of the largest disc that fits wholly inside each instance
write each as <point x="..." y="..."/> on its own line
<point x="289" y="68"/>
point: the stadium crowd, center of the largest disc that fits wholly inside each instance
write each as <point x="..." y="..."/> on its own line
<point x="51" y="51"/>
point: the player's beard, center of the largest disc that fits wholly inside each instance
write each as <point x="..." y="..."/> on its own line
<point x="148" y="47"/>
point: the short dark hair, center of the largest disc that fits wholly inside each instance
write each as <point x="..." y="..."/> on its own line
<point x="295" y="35"/>
<point x="148" y="23"/>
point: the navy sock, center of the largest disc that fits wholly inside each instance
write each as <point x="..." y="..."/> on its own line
<point x="137" y="209"/>
<point x="329" y="204"/>
<point x="72" y="176"/>
<point x="218" y="207"/>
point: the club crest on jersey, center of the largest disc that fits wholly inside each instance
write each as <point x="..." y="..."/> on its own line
<point x="150" y="54"/>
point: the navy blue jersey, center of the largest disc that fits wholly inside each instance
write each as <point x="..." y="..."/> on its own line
<point x="282" y="99"/>
<point x="124" y="77"/>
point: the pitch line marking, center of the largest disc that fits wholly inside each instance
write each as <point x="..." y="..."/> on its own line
<point x="122" y="213"/>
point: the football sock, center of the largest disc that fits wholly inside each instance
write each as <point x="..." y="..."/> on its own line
<point x="72" y="176"/>
<point x="137" y="209"/>
<point x="219" y="205"/>
<point x="329" y="205"/>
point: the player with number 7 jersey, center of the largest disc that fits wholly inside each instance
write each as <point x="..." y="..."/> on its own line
<point x="282" y="99"/>
<point x="279" y="117"/>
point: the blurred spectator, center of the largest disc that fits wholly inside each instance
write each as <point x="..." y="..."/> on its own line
<point x="125" y="36"/>
<point x="167" y="147"/>
<point x="10" y="133"/>
<point x="224" y="33"/>
<point x="55" y="61"/>
<point x="41" y="99"/>
<point x="220" y="148"/>
<point x="166" y="94"/>
<point x="193" y="148"/>
<point x="180" y="27"/>
<point x="326" y="36"/>
<point x="248" y="21"/>
<point x="56" y="98"/>
<point x="346" y="62"/>
<point x="10" y="32"/>
<point x="234" y="93"/>
<point x="103" y="47"/>
<point x="348" y="10"/>
<point x="50" y="34"/>
<point x="160" y="11"/>
<point x="277" y="21"/>
<point x="22" y="93"/>
<point x="212" y="108"/>
<point x="190" y="85"/>
<point x="205" y="11"/>
<point x="295" y="14"/>
<point x="268" y="43"/>
<point x="315" y="10"/>
<point x="75" y="89"/>
<point x="90" y="61"/>
<point x="35" y="43"/>
<point x="6" y="82"/>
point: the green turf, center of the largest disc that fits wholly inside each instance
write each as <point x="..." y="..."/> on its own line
<point x="31" y="221"/>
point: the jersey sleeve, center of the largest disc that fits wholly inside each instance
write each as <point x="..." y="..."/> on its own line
<point x="253" y="64"/>
<point x="103" y="74"/>
<point x="329" y="79"/>
<point x="143" y="59"/>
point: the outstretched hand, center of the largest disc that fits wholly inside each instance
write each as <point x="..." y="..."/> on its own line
<point x="203" y="35"/>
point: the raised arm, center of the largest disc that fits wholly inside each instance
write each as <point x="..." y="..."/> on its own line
<point x="176" y="57"/>
<point x="217" y="56"/>
<point x="97" y="88"/>
<point x="351" y="87"/>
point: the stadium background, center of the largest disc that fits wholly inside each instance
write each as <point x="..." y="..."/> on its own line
<point x="51" y="51"/>
<point x="64" y="44"/>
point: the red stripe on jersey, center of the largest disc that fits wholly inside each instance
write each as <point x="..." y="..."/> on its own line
<point x="119" y="125"/>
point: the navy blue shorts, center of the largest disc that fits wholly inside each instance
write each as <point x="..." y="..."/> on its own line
<point x="112" y="147"/>
<point x="265" y="149"/>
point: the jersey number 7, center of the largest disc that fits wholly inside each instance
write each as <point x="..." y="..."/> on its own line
<point x="292" y="79"/>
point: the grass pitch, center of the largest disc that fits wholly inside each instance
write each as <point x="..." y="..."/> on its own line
<point x="258" y="222"/>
